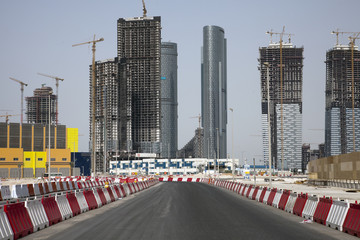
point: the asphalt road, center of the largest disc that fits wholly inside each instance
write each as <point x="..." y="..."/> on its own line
<point x="171" y="211"/>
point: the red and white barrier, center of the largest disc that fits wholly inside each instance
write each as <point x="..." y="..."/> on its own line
<point x="19" y="219"/>
<point x="310" y="207"/>
<point x="322" y="210"/>
<point x="52" y="210"/>
<point x="352" y="223"/>
<point x="73" y="203"/>
<point x="283" y="199"/>
<point x="82" y="202"/>
<point x="37" y="214"/>
<point x="64" y="207"/>
<point x="300" y="204"/>
<point x="5" y="229"/>
<point x="337" y="214"/>
<point x="289" y="207"/>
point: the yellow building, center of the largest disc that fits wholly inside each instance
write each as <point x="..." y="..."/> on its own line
<point x="24" y="149"/>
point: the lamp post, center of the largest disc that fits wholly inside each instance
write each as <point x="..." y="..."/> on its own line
<point x="49" y="142"/>
<point x="232" y="144"/>
<point x="268" y="116"/>
<point x="217" y="152"/>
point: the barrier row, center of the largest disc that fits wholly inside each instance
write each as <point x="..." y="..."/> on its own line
<point x="340" y="215"/>
<point x="179" y="179"/>
<point x="23" y="218"/>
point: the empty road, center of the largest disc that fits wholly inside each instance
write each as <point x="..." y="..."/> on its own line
<point x="183" y="211"/>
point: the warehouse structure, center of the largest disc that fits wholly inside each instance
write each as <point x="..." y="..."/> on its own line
<point x="39" y="105"/>
<point x="24" y="150"/>
<point x="338" y="110"/>
<point x="285" y="111"/>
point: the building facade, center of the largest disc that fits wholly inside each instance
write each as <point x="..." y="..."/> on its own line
<point x="106" y="111"/>
<point x="169" y="103"/>
<point x="39" y="105"/>
<point x="341" y="122"/>
<point x="139" y="53"/>
<point x="285" y="111"/>
<point x="214" y="91"/>
<point x="24" y="150"/>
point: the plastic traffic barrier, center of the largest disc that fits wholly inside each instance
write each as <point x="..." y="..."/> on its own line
<point x="64" y="206"/>
<point x="46" y="188"/>
<point x="37" y="214"/>
<point x="289" y="207"/>
<point x="262" y="194"/>
<point x="248" y="191"/>
<point x="310" y="207"/>
<point x="258" y="194"/>
<point x="111" y="194"/>
<point x="337" y="214"/>
<point x="253" y="196"/>
<point x="283" y="199"/>
<point x="37" y="189"/>
<point x="73" y="203"/>
<point x="52" y="210"/>
<point x="300" y="204"/>
<point x="101" y="196"/>
<point x="98" y="200"/>
<point x="352" y="223"/>
<point x="90" y="199"/>
<point x="16" y="191"/>
<point x="322" y="210"/>
<point x="30" y="188"/>
<point x="5" y="228"/>
<point x="107" y="195"/>
<point x="82" y="201"/>
<point x="266" y="196"/>
<point x="271" y="196"/>
<point x="19" y="219"/>
<point x="277" y="198"/>
<point x="243" y="191"/>
<point x="122" y="190"/>
<point x="116" y="192"/>
<point x="5" y="192"/>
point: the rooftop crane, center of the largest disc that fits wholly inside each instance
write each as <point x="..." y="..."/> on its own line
<point x="144" y="9"/>
<point x="281" y="89"/>
<point x="198" y="117"/>
<point x="93" y="42"/>
<point x="336" y="32"/>
<point x="6" y="116"/>
<point x="22" y="84"/>
<point x="352" y="44"/>
<point x="57" y="92"/>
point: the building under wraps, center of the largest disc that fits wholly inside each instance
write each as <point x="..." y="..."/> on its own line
<point x="24" y="149"/>
<point x="286" y="132"/>
<point x="339" y="123"/>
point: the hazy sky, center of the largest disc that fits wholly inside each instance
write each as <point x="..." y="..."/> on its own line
<point x="36" y="36"/>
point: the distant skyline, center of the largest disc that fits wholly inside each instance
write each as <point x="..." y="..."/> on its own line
<point x="37" y="37"/>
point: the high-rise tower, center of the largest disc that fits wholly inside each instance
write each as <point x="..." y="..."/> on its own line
<point x="39" y="105"/>
<point x="338" y="97"/>
<point x="139" y="53"/>
<point x="169" y="104"/>
<point x="214" y="91"/>
<point x="286" y="118"/>
<point x="106" y="111"/>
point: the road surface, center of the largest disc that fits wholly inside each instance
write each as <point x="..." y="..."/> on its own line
<point x="183" y="211"/>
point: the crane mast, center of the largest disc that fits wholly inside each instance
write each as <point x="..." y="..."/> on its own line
<point x="57" y="79"/>
<point x="22" y="84"/>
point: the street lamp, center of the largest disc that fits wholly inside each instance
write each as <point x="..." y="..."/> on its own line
<point x="268" y="116"/>
<point x="49" y="146"/>
<point x="232" y="144"/>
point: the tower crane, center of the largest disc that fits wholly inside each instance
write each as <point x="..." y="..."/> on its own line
<point x="57" y="79"/>
<point x="198" y="117"/>
<point x="281" y="35"/>
<point x="93" y="42"/>
<point x="144" y="9"/>
<point x="6" y="116"/>
<point x="336" y="32"/>
<point x="22" y="84"/>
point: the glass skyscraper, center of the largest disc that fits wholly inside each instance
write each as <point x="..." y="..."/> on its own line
<point x="214" y="91"/>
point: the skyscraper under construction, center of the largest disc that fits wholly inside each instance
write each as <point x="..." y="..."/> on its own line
<point x="341" y="122"/>
<point x="139" y="54"/>
<point x="285" y="111"/>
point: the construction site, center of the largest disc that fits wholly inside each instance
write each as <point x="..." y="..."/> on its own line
<point x="281" y="70"/>
<point x="342" y="110"/>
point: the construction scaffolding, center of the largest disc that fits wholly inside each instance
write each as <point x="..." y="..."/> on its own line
<point x="39" y="105"/>
<point x="287" y="106"/>
<point x="338" y="110"/>
<point x="139" y="53"/>
<point x="106" y="111"/>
